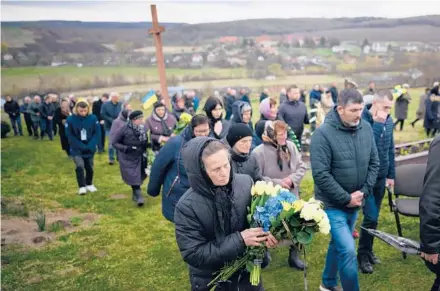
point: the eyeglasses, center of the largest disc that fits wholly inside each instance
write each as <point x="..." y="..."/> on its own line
<point x="201" y="131"/>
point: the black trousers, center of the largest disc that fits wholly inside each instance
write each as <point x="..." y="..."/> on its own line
<point x="81" y="165"/>
<point x="28" y="120"/>
<point x="35" y="126"/>
<point x="55" y="128"/>
<point x="101" y="145"/>
<point x="431" y="132"/>
<point x="401" y="121"/>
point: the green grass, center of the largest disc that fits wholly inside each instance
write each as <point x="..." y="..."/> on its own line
<point x="134" y="249"/>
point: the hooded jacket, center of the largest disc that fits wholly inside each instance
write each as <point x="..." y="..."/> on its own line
<point x="344" y="160"/>
<point x="201" y="237"/>
<point x="168" y="173"/>
<point x="430" y="205"/>
<point x="383" y="136"/>
<point x="75" y="124"/>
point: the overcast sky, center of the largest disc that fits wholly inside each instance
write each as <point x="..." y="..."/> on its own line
<point x="208" y="11"/>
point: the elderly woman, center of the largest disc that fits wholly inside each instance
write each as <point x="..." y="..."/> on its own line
<point x="60" y="117"/>
<point x="281" y="163"/>
<point x="131" y="143"/>
<point x="401" y="105"/>
<point x="120" y="121"/>
<point x="214" y="111"/>
<point x="240" y="140"/>
<point x="161" y="125"/>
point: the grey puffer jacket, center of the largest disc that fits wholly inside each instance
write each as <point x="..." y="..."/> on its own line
<point x="199" y="222"/>
<point x="247" y="165"/>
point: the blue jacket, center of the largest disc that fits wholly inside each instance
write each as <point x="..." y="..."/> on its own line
<point x="229" y="100"/>
<point x="315" y="95"/>
<point x="196" y="102"/>
<point x="109" y="112"/>
<point x="343" y="160"/>
<point x="168" y="173"/>
<point x="383" y="136"/>
<point x="74" y="125"/>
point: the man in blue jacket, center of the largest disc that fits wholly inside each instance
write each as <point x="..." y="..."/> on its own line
<point x="83" y="133"/>
<point x="109" y="112"/>
<point x="378" y="116"/>
<point x="345" y="165"/>
<point x="168" y="172"/>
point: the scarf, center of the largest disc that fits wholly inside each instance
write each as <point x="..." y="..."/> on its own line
<point x="163" y="121"/>
<point x="283" y="152"/>
<point x="139" y="130"/>
<point x="238" y="157"/>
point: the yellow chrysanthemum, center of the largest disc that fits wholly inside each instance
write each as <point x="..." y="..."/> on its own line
<point x="286" y="206"/>
<point x="298" y="205"/>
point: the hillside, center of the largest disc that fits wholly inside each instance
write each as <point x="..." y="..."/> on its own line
<point x="97" y="37"/>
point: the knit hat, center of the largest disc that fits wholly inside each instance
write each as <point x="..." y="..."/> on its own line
<point x="136" y="115"/>
<point x="237" y="132"/>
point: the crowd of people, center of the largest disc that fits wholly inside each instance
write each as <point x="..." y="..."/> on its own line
<point x="206" y="172"/>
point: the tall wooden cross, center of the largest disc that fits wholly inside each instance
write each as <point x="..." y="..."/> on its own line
<point x="156" y="30"/>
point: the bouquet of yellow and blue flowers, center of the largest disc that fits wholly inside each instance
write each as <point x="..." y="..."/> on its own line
<point x="184" y="120"/>
<point x="279" y="211"/>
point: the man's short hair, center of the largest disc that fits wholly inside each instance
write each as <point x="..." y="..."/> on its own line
<point x="350" y="96"/>
<point x="384" y="94"/>
<point x="291" y="87"/>
<point x="82" y="104"/>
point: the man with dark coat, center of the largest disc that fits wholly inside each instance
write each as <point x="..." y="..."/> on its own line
<point x="264" y="94"/>
<point x="345" y="165"/>
<point x="430" y="213"/>
<point x="34" y="110"/>
<point x="27" y="115"/>
<point x="334" y="92"/>
<point x="378" y="116"/>
<point x="294" y="112"/>
<point x="432" y="112"/>
<point x="56" y="106"/>
<point x="244" y="96"/>
<point x="210" y="218"/>
<point x="96" y="109"/>
<point x="229" y="100"/>
<point x="47" y="114"/>
<point x="13" y="110"/>
<point x="109" y="112"/>
<point x="83" y="134"/>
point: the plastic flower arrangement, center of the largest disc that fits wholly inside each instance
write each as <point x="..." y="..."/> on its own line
<point x="279" y="211"/>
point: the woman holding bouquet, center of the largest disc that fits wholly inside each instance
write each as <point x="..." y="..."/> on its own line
<point x="161" y="125"/>
<point x="131" y="143"/>
<point x="281" y="163"/>
<point x="214" y="111"/>
<point x="211" y="224"/>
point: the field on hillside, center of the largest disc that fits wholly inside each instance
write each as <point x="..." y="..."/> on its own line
<point x="128" y="248"/>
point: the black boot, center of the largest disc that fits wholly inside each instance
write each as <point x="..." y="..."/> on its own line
<point x="294" y="260"/>
<point x="139" y="198"/>
<point x="364" y="264"/>
<point x="373" y="259"/>
<point x="134" y="195"/>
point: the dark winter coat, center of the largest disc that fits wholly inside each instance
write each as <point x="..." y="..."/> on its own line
<point x="401" y="107"/>
<point x="383" y="136"/>
<point x="154" y="125"/>
<point x="430" y="204"/>
<point x="229" y="101"/>
<point x="263" y="96"/>
<point x="237" y="117"/>
<point x="34" y="109"/>
<point x="343" y="160"/>
<point x="109" y="112"/>
<point x="168" y="173"/>
<point x="132" y="162"/>
<point x="210" y="105"/>
<point x="245" y="98"/>
<point x="25" y="109"/>
<point x="283" y="98"/>
<point x="420" y="113"/>
<point x="316" y="95"/>
<point x="334" y="92"/>
<point x="247" y="165"/>
<point x="59" y="117"/>
<point x="294" y="113"/>
<point x="432" y="114"/>
<point x="74" y="125"/>
<point x="46" y="110"/>
<point x="12" y="108"/>
<point x="204" y="243"/>
<point x="96" y="109"/>
<point x="177" y="112"/>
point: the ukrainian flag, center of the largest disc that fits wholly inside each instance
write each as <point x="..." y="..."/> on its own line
<point x="149" y="99"/>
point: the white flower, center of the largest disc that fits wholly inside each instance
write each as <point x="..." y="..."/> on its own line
<point x="324" y="225"/>
<point x="309" y="211"/>
<point x="260" y="187"/>
<point x="319" y="215"/>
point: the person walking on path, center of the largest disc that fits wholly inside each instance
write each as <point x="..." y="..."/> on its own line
<point x="345" y="165"/>
<point x="131" y="143"/>
<point x="401" y="107"/>
<point x="12" y="108"/>
<point x="161" y="125"/>
<point x="109" y="112"/>
<point x="432" y="112"/>
<point x="34" y="110"/>
<point x="60" y="118"/>
<point x="27" y="115"/>
<point x="47" y="113"/>
<point x="378" y="115"/>
<point x="96" y="109"/>
<point x="420" y="113"/>
<point x="83" y="133"/>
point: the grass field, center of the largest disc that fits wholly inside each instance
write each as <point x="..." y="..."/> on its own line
<point x="134" y="249"/>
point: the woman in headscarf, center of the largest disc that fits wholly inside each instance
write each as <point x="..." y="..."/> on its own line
<point x="131" y="143"/>
<point x="61" y="114"/>
<point x="168" y="172"/>
<point x="280" y="162"/>
<point x="214" y="111"/>
<point x="179" y="106"/>
<point x="161" y="125"/>
<point x="269" y="111"/>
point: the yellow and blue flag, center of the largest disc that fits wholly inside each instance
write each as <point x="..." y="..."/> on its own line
<point x="149" y="99"/>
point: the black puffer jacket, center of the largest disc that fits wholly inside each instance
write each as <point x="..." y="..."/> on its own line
<point x="430" y="205"/>
<point x="200" y="233"/>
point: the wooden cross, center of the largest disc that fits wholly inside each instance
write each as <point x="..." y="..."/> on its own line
<point x="156" y="30"/>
